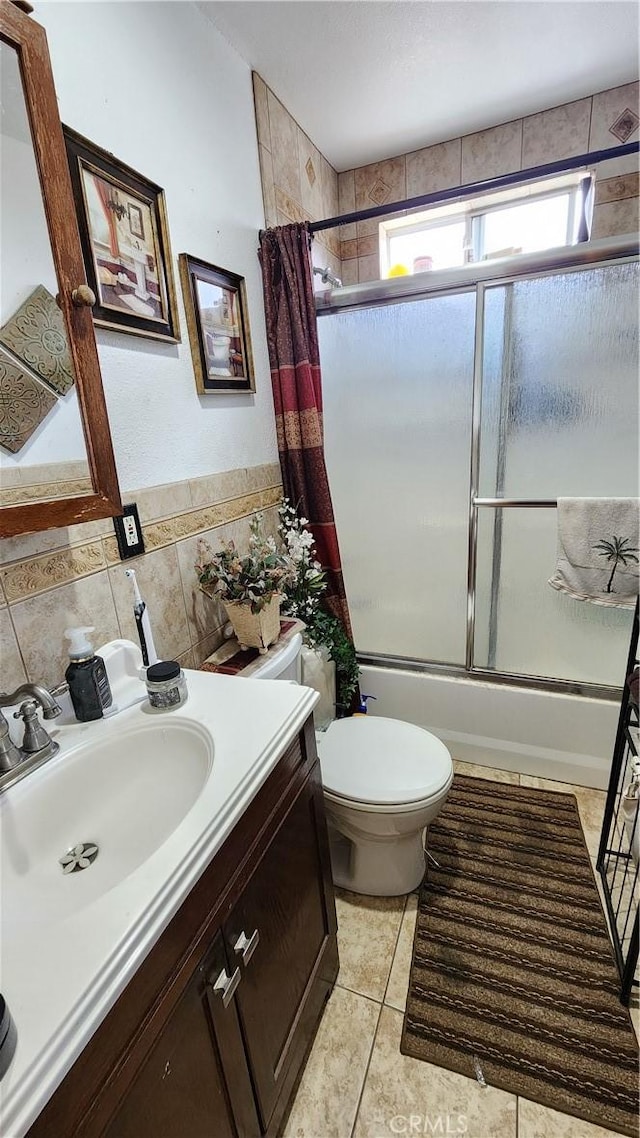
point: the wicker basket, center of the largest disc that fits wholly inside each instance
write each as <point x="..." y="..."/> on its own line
<point x="255" y="629"/>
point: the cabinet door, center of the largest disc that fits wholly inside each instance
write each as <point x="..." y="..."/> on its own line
<point x="183" y="1088"/>
<point x="282" y="934"/>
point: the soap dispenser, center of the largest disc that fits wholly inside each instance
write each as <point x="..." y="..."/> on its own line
<point x="86" y="676"/>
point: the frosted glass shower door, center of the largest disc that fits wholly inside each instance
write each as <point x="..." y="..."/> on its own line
<point x="560" y="386"/>
<point x="559" y="419"/>
<point x="397" y="388"/>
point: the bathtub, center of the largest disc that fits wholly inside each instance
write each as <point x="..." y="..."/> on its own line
<point x="568" y="738"/>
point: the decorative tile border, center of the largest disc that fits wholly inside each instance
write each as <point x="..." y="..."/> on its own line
<point x="168" y="531"/>
<point x="617" y="188"/>
<point x="26" y="578"/>
<point x="39" y="574"/>
<point x="45" y="492"/>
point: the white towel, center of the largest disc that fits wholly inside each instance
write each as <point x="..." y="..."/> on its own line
<point x="598" y="550"/>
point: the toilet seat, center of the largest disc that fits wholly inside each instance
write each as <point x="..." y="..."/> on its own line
<point x="381" y="764"/>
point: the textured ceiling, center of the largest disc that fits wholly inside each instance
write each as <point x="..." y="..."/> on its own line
<point x="367" y="80"/>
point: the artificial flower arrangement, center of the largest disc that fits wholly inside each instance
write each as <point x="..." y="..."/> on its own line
<point x="270" y="579"/>
<point x="254" y="579"/>
<point x="305" y="588"/>
<point x="303" y="598"/>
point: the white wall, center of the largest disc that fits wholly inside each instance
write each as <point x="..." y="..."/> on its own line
<point x="157" y="85"/>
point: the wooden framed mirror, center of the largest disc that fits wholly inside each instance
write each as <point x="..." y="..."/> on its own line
<point x="56" y="455"/>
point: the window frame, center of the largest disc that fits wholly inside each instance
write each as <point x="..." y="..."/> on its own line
<point x="474" y="209"/>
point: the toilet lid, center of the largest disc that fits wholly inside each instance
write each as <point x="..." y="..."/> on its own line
<point x="382" y="761"/>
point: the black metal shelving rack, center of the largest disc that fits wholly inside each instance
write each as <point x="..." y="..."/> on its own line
<point x="617" y="861"/>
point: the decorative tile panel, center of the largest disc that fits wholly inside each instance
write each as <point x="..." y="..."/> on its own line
<point x="312" y="197"/>
<point x="37" y="492"/>
<point x="38" y="575"/>
<point x="625" y="125"/>
<point x="380" y="192"/>
<point x="614" y="189"/>
<point x="74" y="575"/>
<point x="289" y="207"/>
<point x="380" y="182"/>
<point x="37" y="335"/>
<point x="608" y="108"/>
<point x="24" y="404"/>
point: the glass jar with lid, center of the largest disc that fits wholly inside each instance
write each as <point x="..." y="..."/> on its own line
<point x="166" y="685"/>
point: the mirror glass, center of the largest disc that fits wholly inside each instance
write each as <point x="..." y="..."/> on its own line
<point x="43" y="453"/>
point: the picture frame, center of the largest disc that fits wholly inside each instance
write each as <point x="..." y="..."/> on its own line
<point x="124" y="236"/>
<point x="215" y="302"/>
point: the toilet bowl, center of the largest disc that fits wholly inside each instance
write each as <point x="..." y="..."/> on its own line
<point x="384" y="782"/>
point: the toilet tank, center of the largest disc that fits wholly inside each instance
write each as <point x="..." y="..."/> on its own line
<point x="282" y="661"/>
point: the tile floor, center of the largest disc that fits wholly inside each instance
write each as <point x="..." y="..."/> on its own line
<point x="357" y="1084"/>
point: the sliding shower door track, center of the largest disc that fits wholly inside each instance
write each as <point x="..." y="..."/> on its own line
<point x="487" y="675"/>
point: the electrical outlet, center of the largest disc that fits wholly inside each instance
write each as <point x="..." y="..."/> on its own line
<point x="129" y="532"/>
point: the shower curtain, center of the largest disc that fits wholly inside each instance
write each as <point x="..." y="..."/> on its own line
<point x="292" y="338"/>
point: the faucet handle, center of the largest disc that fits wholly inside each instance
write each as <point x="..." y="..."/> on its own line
<point x="27" y="709"/>
<point x="10" y="756"/>
<point x="35" y="736"/>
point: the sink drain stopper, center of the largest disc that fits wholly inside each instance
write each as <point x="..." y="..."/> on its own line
<point x="79" y="857"/>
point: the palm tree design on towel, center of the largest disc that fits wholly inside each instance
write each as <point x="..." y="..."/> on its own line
<point x="620" y="551"/>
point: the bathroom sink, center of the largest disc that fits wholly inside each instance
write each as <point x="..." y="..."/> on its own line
<point x="96" y="815"/>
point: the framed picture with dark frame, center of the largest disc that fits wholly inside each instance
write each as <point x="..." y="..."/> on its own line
<point x="125" y="243"/>
<point x="215" y="301"/>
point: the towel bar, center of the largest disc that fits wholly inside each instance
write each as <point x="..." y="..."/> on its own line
<point x="548" y="503"/>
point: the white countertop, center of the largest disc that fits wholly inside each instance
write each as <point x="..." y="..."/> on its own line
<point x="60" y="976"/>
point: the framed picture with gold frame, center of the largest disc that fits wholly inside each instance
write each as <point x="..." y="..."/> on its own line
<point x="215" y="301"/>
<point x="125" y="243"/>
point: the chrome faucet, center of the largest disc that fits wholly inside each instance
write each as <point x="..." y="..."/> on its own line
<point x="37" y="745"/>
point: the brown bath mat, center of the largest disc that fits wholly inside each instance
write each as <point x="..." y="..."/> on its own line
<point x="512" y="962"/>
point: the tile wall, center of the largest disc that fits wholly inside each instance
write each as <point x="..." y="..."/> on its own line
<point x="21" y="484"/>
<point x="298" y="184"/>
<point x="562" y="132"/>
<point x="74" y="576"/>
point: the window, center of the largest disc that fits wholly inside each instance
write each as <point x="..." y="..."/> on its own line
<point x="523" y="219"/>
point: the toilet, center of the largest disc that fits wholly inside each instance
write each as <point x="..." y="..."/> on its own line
<point x="384" y="782"/>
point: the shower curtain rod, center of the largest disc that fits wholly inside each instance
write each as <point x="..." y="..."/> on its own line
<point x="498" y="183"/>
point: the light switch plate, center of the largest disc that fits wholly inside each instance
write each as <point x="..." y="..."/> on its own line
<point x="129" y="532"/>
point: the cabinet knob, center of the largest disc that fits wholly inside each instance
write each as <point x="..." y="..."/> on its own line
<point x="83" y="296"/>
<point x="225" y="986"/>
<point x="245" y="946"/>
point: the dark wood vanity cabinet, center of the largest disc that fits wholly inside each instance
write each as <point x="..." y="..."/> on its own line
<point x="209" y="1037"/>
<point x="182" y="1087"/>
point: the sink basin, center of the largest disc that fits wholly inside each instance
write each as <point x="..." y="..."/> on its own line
<point x="113" y="802"/>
